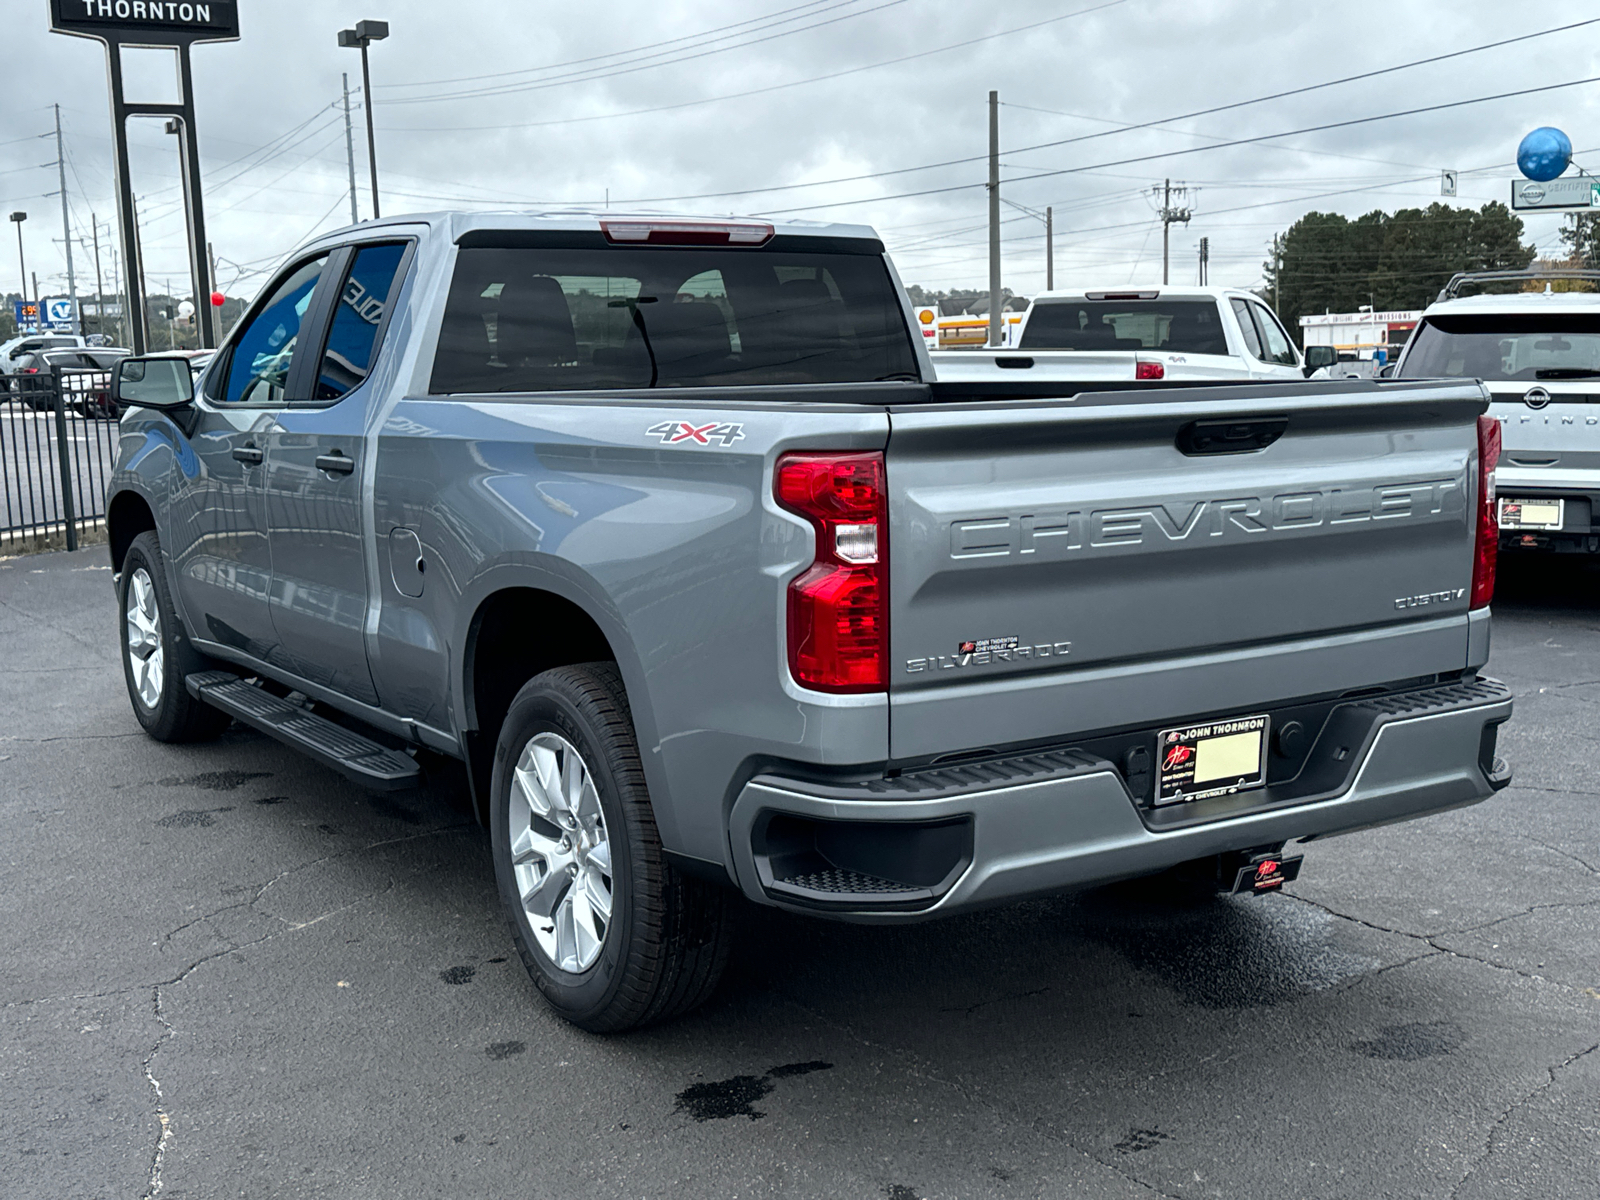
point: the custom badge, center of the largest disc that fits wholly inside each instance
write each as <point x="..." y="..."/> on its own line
<point x="690" y="433"/>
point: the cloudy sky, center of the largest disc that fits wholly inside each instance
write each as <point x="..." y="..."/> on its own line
<point x="860" y="110"/>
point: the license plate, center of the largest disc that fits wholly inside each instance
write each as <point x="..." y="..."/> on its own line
<point x="1218" y="758"/>
<point x="1531" y="514"/>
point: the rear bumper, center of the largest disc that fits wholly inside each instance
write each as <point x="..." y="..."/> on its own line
<point x="1057" y="821"/>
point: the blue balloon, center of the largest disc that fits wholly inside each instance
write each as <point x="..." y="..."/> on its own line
<point x="1544" y="154"/>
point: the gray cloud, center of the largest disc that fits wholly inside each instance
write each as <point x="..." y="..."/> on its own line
<point x="272" y="137"/>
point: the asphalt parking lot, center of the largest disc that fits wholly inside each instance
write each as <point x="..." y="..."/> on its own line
<point x="229" y="973"/>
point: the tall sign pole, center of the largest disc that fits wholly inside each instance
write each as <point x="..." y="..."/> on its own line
<point x="363" y="35"/>
<point x="177" y="26"/>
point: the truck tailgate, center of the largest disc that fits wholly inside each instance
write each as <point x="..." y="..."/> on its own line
<point x="1059" y="567"/>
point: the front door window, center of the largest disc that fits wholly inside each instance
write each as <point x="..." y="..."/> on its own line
<point x="258" y="370"/>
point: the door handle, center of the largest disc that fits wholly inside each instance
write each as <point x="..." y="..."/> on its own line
<point x="337" y="463"/>
<point x="247" y="454"/>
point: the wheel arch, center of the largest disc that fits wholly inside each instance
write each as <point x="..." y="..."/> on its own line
<point x="128" y="514"/>
<point x="519" y="621"/>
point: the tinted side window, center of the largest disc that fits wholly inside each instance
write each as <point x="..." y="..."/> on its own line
<point x="1247" y="326"/>
<point x="623" y="317"/>
<point x="1279" y="348"/>
<point x="353" y="334"/>
<point x="258" y="366"/>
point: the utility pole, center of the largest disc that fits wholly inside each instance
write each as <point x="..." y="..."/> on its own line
<point x="349" y="150"/>
<point x="99" y="285"/>
<point x="1169" y="217"/>
<point x="995" y="322"/>
<point x="66" y="228"/>
<point x="1049" y="248"/>
<point x="1275" y="270"/>
<point x="1205" y="260"/>
<point x="142" y="331"/>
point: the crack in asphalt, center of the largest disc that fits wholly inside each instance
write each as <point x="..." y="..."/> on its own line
<point x="1587" y="866"/>
<point x="1488" y="1141"/>
<point x="1430" y="939"/>
<point x="76" y="737"/>
<point x="1527" y="912"/>
<point x="1530" y="787"/>
<point x="55" y="626"/>
<point x="158" y="1155"/>
<point x="169" y="1031"/>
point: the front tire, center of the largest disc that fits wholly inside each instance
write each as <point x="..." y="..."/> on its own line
<point x="156" y="656"/>
<point x="612" y="935"/>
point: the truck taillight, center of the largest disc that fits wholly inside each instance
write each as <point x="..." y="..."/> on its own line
<point x="839" y="605"/>
<point x="1487" y="549"/>
<point x="1149" y="370"/>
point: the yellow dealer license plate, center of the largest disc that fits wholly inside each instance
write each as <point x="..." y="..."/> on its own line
<point x="1218" y="758"/>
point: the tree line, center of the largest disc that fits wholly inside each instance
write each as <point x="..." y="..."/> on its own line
<point x="1326" y="262"/>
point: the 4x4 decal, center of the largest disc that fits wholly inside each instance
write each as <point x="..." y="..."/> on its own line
<point x="672" y="432"/>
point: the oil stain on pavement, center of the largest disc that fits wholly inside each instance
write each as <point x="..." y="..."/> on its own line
<point x="737" y="1097"/>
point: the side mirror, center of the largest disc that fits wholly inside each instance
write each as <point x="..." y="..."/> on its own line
<point x="159" y="383"/>
<point x="1387" y="371"/>
<point x="1318" y="357"/>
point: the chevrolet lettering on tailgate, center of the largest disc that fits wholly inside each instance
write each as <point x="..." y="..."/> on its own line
<point x="1243" y="516"/>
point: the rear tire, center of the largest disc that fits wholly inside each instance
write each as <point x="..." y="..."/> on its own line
<point x="612" y="935"/>
<point x="156" y="654"/>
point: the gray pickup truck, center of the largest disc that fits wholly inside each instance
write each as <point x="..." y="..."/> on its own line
<point x="666" y="530"/>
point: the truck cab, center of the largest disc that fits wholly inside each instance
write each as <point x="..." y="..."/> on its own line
<point x="1122" y="334"/>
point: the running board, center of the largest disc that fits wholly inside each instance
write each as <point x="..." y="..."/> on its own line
<point x="357" y="758"/>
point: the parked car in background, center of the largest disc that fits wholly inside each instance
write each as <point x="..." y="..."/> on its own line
<point x="1538" y="353"/>
<point x="1122" y="336"/>
<point x="86" y="394"/>
<point x="13" y="351"/>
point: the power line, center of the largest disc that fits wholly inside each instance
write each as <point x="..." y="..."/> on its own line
<point x="952" y="162"/>
<point x="590" y="77"/>
<point x="761" y="91"/>
<point x="1122" y="162"/>
<point x="575" y="62"/>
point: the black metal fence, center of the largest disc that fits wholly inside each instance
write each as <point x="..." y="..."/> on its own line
<point x="58" y="439"/>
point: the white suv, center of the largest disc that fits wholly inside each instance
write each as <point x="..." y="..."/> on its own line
<point x="1538" y="352"/>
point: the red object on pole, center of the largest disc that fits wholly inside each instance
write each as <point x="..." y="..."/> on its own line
<point x="217" y="299"/>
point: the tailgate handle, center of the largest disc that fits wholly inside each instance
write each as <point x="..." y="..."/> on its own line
<point x="1240" y="436"/>
<point x="1013" y="362"/>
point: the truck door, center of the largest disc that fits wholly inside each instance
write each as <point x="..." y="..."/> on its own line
<point x="315" y="454"/>
<point x="217" y="531"/>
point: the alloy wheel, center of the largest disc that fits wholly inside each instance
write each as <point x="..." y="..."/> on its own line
<point x="560" y="852"/>
<point x="145" y="653"/>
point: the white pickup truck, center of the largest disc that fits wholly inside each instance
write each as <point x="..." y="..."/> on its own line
<point x="1131" y="334"/>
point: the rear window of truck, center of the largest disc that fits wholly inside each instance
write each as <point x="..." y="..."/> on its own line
<point x="1522" y="346"/>
<point x="527" y="319"/>
<point x="1181" y="326"/>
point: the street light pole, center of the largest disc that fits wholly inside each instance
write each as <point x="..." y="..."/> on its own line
<point x="363" y="35"/>
<point x="22" y="263"/>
